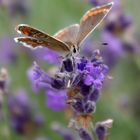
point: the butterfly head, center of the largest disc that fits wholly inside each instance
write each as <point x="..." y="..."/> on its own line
<point x="74" y="49"/>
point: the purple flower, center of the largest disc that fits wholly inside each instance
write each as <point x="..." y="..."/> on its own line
<point x="66" y="133"/>
<point x="80" y="72"/>
<point x="56" y="99"/>
<point x="114" y="43"/>
<point x="113" y="51"/>
<point x="101" y="132"/>
<point x="87" y="48"/>
<point x="3" y="79"/>
<point x="38" y="78"/>
<point x="78" y="105"/>
<point x="94" y="95"/>
<point x="82" y="64"/>
<point x="16" y="7"/>
<point x="88" y="80"/>
<point x="102" y="127"/>
<point x="47" y="55"/>
<point x="84" y="135"/>
<point x="96" y="73"/>
<point x="118" y="25"/>
<point x="95" y="2"/>
<point x="8" y="54"/>
<point x="83" y="106"/>
<point x="21" y="112"/>
<point x="90" y="107"/>
<point x="101" y="2"/>
<point x="21" y="97"/>
<point x="2" y="85"/>
<point x="58" y="83"/>
<point x="68" y="65"/>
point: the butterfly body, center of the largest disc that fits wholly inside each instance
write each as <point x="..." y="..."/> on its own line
<point x="65" y="41"/>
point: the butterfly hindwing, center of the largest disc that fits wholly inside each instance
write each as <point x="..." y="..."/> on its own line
<point x="34" y="43"/>
<point x="30" y="42"/>
<point x="91" y="20"/>
<point x="68" y="34"/>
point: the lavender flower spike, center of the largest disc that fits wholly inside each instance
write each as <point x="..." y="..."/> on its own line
<point x="66" y="133"/>
<point x="56" y="99"/>
<point x="3" y="79"/>
<point x="84" y="135"/>
<point x="102" y="127"/>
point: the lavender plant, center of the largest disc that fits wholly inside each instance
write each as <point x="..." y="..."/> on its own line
<point x="78" y="80"/>
<point x="16" y="111"/>
<point x="76" y="86"/>
<point x="8" y="54"/>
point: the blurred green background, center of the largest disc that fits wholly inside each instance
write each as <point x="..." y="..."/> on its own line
<point x="121" y="95"/>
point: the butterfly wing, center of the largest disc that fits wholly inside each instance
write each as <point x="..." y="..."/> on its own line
<point x="34" y="43"/>
<point x="68" y="34"/>
<point x="38" y="38"/>
<point x="91" y="20"/>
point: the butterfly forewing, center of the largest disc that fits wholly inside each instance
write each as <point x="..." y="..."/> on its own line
<point x="68" y="34"/>
<point x="91" y="20"/>
<point x="39" y="38"/>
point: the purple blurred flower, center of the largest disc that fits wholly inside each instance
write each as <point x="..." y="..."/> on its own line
<point x="19" y="110"/>
<point x="94" y="2"/>
<point x="56" y="99"/>
<point x="66" y="133"/>
<point x="113" y="51"/>
<point x="84" y="135"/>
<point x="94" y="96"/>
<point x="47" y="55"/>
<point x="16" y="7"/>
<point x="102" y="127"/>
<point x="117" y="35"/>
<point x="101" y="2"/>
<point x="8" y="53"/>
<point x="87" y="47"/>
<point x="3" y="80"/>
<point x="21" y="113"/>
<point x="38" y="78"/>
<point x="114" y="43"/>
<point x="119" y="24"/>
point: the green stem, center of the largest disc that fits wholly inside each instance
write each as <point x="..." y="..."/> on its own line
<point x="92" y="131"/>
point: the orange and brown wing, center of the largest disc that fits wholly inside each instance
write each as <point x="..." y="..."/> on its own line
<point x="35" y="43"/>
<point x="91" y="20"/>
<point x="27" y="30"/>
<point x="39" y="38"/>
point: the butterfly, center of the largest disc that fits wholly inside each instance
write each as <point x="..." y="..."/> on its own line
<point x="67" y="40"/>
